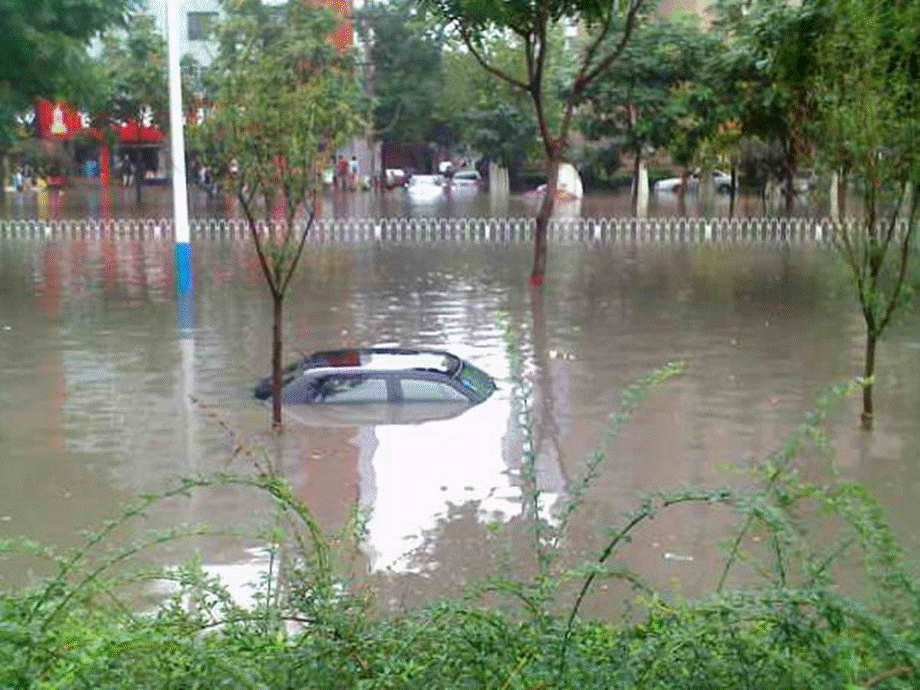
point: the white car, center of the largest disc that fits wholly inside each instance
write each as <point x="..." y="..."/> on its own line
<point x="425" y="187"/>
<point x="395" y="177"/>
<point x="721" y="182"/>
<point x="468" y="179"/>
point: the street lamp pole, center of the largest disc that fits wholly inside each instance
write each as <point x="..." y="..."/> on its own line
<point x="177" y="147"/>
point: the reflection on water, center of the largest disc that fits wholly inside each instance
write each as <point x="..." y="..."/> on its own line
<point x="96" y="374"/>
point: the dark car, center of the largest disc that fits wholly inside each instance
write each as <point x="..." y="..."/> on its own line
<point x="381" y="375"/>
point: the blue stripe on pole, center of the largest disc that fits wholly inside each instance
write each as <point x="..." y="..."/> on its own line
<point x="183" y="268"/>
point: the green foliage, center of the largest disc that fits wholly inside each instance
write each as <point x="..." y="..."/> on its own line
<point x="870" y="62"/>
<point x="636" y="101"/>
<point x="765" y="75"/>
<point x="43" y="51"/>
<point x="133" y="69"/>
<point x="407" y="74"/>
<point x="503" y="134"/>
<point x="41" y="40"/>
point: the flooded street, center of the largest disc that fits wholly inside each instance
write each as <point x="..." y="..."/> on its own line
<point x="108" y="391"/>
<point x="86" y="199"/>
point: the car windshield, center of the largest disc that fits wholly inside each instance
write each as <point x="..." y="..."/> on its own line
<point x="476" y="380"/>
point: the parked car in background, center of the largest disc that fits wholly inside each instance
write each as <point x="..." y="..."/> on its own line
<point x="466" y="179"/>
<point x="395" y="177"/>
<point x="383" y="384"/>
<point x="425" y="187"/>
<point x="721" y="182"/>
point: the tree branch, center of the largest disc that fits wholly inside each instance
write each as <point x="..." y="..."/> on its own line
<point x="260" y="250"/>
<point x="488" y="67"/>
<point x="585" y="77"/>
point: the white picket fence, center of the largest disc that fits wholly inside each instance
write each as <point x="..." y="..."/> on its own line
<point x="572" y="231"/>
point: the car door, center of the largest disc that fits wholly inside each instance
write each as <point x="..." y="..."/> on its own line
<point x="353" y="387"/>
<point x="426" y="397"/>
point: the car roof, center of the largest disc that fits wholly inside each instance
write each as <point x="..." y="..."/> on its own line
<point x="384" y="359"/>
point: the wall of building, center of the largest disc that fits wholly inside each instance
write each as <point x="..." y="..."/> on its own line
<point x="190" y="44"/>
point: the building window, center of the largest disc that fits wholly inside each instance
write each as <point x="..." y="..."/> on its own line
<point x="200" y="25"/>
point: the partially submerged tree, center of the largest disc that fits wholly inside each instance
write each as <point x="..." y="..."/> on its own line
<point x="285" y="99"/>
<point x="871" y="125"/>
<point x="604" y="27"/>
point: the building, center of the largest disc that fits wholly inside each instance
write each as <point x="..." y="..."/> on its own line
<point x="198" y="18"/>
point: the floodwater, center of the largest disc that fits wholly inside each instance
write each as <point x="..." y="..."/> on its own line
<point x="111" y="387"/>
<point x="86" y="199"/>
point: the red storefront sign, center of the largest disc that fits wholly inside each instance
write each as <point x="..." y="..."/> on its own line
<point x="60" y="120"/>
<point x="56" y="119"/>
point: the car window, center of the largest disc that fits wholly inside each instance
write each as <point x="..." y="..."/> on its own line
<point x="341" y="389"/>
<point x="476" y="380"/>
<point x="425" y="390"/>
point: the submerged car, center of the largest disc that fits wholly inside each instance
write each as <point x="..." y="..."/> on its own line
<point x="721" y="182"/>
<point x="422" y="188"/>
<point x="466" y="178"/>
<point x="388" y="376"/>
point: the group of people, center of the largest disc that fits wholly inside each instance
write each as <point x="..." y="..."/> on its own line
<point x="346" y="173"/>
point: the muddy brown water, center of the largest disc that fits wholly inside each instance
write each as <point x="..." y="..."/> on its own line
<point x="104" y="395"/>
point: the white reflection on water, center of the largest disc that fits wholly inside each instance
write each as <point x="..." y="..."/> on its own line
<point x="242" y="580"/>
<point x="418" y="471"/>
<point x="452" y="462"/>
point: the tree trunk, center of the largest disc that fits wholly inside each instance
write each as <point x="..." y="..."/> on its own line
<point x="541" y="231"/>
<point x="842" y="195"/>
<point x="138" y="177"/>
<point x="3" y="152"/>
<point x="277" y="303"/>
<point x="868" y="372"/>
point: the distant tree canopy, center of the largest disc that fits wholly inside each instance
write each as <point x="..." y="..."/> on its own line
<point x="134" y="68"/>
<point x="407" y="72"/>
<point x="643" y="100"/>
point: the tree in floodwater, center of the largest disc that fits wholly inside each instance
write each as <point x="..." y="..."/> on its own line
<point x="765" y="76"/>
<point x="603" y="30"/>
<point x="871" y="127"/>
<point x="285" y="99"/>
